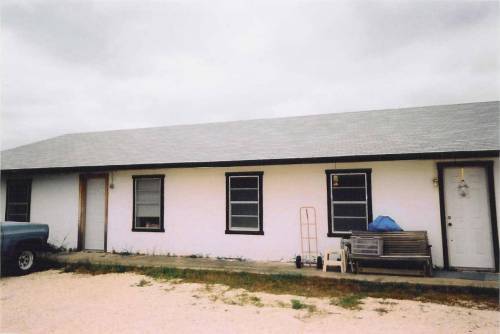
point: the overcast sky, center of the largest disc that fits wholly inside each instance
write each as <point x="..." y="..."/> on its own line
<point x="77" y="66"/>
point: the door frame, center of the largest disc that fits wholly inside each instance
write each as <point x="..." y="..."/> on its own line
<point x="83" y="208"/>
<point x="488" y="167"/>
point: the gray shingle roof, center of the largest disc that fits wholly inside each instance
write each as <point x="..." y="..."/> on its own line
<point x="467" y="127"/>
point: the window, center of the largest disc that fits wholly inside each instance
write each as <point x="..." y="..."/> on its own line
<point x="18" y="200"/>
<point x="148" y="203"/>
<point x="244" y="203"/>
<point x="349" y="201"/>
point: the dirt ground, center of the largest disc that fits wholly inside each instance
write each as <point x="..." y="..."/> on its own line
<point x="53" y="302"/>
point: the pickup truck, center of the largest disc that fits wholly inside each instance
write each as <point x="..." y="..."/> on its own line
<point x="20" y="243"/>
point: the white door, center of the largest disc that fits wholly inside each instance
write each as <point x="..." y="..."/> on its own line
<point x="95" y="213"/>
<point x="468" y="224"/>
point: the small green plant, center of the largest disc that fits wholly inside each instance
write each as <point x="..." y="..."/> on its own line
<point x="351" y="302"/>
<point x="143" y="283"/>
<point x="381" y="310"/>
<point x="243" y="299"/>
<point x="255" y="301"/>
<point x="297" y="304"/>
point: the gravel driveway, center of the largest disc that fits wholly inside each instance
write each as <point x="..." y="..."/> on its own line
<point x="53" y="302"/>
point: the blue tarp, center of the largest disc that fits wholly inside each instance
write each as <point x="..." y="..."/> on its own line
<point x="384" y="224"/>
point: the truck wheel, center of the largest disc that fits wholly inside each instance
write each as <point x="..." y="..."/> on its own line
<point x="319" y="263"/>
<point x="298" y="262"/>
<point x="24" y="261"/>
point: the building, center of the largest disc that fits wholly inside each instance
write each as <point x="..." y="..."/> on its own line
<point x="235" y="189"/>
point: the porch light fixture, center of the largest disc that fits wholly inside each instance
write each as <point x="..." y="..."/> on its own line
<point x="435" y="182"/>
<point x="463" y="188"/>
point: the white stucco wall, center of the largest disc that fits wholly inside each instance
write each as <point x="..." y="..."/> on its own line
<point x="195" y="208"/>
<point x="54" y="201"/>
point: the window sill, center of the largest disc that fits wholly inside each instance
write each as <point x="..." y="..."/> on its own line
<point x="245" y="232"/>
<point x="147" y="230"/>
<point x="339" y="235"/>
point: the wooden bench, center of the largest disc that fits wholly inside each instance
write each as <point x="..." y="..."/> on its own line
<point x="398" y="247"/>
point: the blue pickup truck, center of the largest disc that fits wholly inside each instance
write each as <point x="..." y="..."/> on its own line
<point x="20" y="243"/>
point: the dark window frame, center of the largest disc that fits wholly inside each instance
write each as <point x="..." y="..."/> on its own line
<point x="329" y="172"/>
<point x="162" y="202"/>
<point x="260" y="230"/>
<point x="28" y="213"/>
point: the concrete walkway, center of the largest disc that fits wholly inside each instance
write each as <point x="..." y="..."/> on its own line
<point x="447" y="279"/>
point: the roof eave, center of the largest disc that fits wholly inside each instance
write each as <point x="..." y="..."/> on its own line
<point x="286" y="161"/>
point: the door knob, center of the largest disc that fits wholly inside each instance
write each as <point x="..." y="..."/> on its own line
<point x="450" y="224"/>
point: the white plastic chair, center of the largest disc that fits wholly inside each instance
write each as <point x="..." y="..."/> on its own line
<point x="335" y="259"/>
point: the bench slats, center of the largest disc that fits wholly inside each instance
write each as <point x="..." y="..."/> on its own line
<point x="399" y="246"/>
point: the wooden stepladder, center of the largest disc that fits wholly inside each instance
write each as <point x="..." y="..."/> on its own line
<point x="308" y="235"/>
